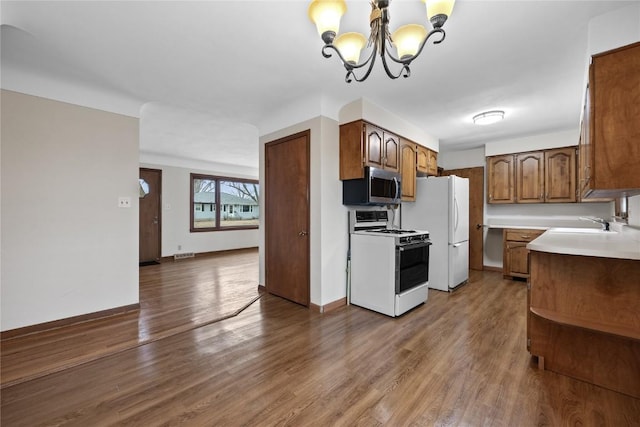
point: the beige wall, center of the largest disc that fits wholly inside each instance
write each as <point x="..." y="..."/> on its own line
<point x="67" y="248"/>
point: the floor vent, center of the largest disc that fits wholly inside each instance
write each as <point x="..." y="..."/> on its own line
<point x="184" y="255"/>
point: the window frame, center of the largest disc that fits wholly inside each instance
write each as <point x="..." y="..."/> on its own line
<point x="218" y="209"/>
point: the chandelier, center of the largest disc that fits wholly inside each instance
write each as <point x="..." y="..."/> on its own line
<point x="409" y="40"/>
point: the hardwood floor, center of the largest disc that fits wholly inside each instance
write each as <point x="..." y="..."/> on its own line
<point x="174" y="297"/>
<point x="459" y="359"/>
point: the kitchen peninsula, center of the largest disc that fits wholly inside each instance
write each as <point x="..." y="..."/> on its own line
<point x="583" y="298"/>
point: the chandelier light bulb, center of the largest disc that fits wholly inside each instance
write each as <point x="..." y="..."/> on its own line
<point x="326" y="14"/>
<point x="438" y="11"/>
<point x="350" y="45"/>
<point x="408" y="39"/>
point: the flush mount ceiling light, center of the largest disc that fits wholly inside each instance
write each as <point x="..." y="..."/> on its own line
<point x="409" y="40"/>
<point x="488" y="117"/>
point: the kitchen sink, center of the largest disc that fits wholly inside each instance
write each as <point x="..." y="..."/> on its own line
<point x="581" y="230"/>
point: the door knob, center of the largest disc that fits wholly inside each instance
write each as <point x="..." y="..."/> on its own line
<point x="478" y="226"/>
<point x="302" y="233"/>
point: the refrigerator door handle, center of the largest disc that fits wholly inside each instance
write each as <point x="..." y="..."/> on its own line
<point x="457" y="245"/>
<point x="457" y="215"/>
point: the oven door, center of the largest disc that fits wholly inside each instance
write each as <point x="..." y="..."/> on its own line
<point x="412" y="265"/>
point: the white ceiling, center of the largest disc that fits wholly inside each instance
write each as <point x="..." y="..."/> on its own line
<point x="207" y="77"/>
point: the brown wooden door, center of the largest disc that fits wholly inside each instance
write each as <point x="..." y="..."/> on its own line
<point x="500" y="176"/>
<point x="560" y="175"/>
<point x="530" y="177"/>
<point x="476" y="209"/>
<point x="287" y="257"/>
<point x="150" y="221"/>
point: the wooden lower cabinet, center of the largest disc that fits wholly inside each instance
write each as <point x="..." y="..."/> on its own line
<point x="582" y="318"/>
<point x="515" y="258"/>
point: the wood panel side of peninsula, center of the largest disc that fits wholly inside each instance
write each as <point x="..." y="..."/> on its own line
<point x="583" y="318"/>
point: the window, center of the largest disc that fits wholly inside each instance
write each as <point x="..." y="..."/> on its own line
<point x="222" y="203"/>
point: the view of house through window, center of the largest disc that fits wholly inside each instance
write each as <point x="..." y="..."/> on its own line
<point x="223" y="203"/>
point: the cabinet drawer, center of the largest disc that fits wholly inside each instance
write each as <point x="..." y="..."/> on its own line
<point x="522" y="235"/>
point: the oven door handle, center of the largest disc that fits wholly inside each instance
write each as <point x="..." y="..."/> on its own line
<point x="413" y="246"/>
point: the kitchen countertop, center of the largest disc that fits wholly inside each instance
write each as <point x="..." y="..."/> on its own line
<point x="608" y="245"/>
<point x="519" y="227"/>
<point x="536" y="222"/>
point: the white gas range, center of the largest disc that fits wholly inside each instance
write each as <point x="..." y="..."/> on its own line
<point x="389" y="267"/>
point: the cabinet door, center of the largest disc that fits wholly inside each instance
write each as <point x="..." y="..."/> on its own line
<point x="517" y="259"/>
<point x="560" y="175"/>
<point x="374" y="146"/>
<point x="584" y="171"/>
<point x="433" y="163"/>
<point x="500" y="177"/>
<point x="614" y="82"/>
<point x="422" y="160"/>
<point x="530" y="177"/>
<point x="391" y="154"/>
<point x="408" y="170"/>
<point x="352" y="150"/>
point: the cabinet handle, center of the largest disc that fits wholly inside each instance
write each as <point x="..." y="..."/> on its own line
<point x="525" y="237"/>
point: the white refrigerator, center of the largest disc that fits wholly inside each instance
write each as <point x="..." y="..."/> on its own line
<point x="442" y="209"/>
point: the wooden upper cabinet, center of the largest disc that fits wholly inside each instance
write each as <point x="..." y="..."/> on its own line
<point x="426" y="162"/>
<point x="560" y="175"/>
<point x="422" y="160"/>
<point x="374" y="146"/>
<point x="530" y="177"/>
<point x="546" y="176"/>
<point x="363" y="144"/>
<point x="391" y="159"/>
<point x="408" y="169"/>
<point x="432" y="169"/>
<point x="584" y="155"/>
<point x="352" y="150"/>
<point x="613" y="124"/>
<point x="500" y="179"/>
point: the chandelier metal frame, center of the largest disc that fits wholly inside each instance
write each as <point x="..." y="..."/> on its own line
<point x="380" y="39"/>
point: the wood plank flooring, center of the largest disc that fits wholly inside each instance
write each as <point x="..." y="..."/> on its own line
<point x="174" y="297"/>
<point x="459" y="359"/>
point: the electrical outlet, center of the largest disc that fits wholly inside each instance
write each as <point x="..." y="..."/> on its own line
<point x="124" y="202"/>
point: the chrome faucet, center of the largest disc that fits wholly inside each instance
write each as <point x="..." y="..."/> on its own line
<point x="604" y="223"/>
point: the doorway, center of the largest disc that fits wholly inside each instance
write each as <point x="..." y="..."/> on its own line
<point x="287" y="213"/>
<point x="150" y="220"/>
<point x="476" y="213"/>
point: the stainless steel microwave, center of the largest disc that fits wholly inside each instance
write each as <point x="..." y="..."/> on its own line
<point x="378" y="187"/>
